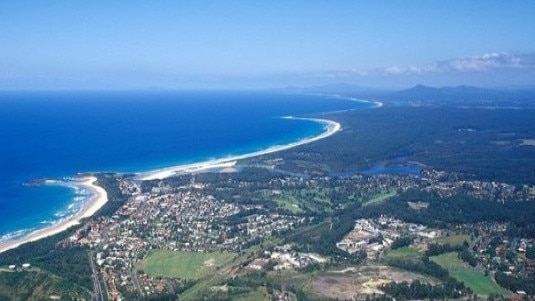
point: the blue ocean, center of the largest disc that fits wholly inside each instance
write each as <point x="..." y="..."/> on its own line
<point x="59" y="134"/>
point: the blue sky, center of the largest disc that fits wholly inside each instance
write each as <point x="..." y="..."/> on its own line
<point x="256" y="44"/>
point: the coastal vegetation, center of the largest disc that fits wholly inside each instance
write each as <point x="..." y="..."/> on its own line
<point x="36" y="284"/>
<point x="56" y="270"/>
<point x="457" y="209"/>
<point x="116" y="197"/>
<point x="515" y="283"/>
<point x="68" y="263"/>
<point x="462" y="140"/>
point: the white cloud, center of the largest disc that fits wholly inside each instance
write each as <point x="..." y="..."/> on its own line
<point x="489" y="69"/>
<point x="485" y="62"/>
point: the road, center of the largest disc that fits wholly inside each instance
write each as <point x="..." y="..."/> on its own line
<point x="133" y="274"/>
<point x="97" y="289"/>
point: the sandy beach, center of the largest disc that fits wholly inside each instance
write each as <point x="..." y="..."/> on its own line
<point x="331" y="127"/>
<point x="99" y="195"/>
<point x="98" y="199"/>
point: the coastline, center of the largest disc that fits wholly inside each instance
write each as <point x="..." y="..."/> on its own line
<point x="98" y="198"/>
<point x="89" y="205"/>
<point x="377" y="104"/>
<point x="331" y="128"/>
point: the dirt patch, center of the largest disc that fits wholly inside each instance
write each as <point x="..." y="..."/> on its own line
<point x="355" y="283"/>
<point x="221" y="288"/>
<point x="372" y="286"/>
<point x="209" y="263"/>
<point x="421" y="247"/>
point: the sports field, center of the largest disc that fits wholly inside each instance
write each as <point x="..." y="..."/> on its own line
<point x="184" y="265"/>
<point x="476" y="280"/>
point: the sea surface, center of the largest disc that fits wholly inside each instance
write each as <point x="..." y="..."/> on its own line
<point x="54" y="135"/>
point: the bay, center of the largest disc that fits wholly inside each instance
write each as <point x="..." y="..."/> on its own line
<point x="57" y="134"/>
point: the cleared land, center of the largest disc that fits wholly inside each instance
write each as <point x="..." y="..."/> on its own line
<point x="358" y="281"/>
<point x="477" y="281"/>
<point x="184" y="265"/>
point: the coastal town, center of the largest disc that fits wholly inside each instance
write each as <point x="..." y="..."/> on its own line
<point x="190" y="214"/>
<point x="259" y="227"/>
<point x="267" y="150"/>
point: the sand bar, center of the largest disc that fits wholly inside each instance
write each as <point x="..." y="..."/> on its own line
<point x="331" y="127"/>
<point x="99" y="197"/>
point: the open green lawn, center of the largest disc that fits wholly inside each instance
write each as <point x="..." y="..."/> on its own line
<point x="403" y="253"/>
<point x="185" y="265"/>
<point x="259" y="294"/>
<point x="454" y="240"/>
<point x="297" y="201"/>
<point x="289" y="203"/>
<point x="380" y="198"/>
<point x="477" y="281"/>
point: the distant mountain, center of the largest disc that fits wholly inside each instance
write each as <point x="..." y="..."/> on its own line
<point x="421" y="95"/>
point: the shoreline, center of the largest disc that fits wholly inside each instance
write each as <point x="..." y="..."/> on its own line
<point x="98" y="198"/>
<point x="99" y="195"/>
<point x="331" y="128"/>
<point x="377" y="103"/>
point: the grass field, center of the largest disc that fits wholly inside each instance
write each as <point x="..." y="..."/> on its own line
<point x="289" y="203"/>
<point x="454" y="240"/>
<point x="477" y="281"/>
<point x="297" y="201"/>
<point x="259" y="294"/>
<point x="403" y="253"/>
<point x="380" y="198"/>
<point x="185" y="265"/>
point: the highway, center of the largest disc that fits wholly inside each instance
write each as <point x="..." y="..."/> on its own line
<point x="97" y="289"/>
